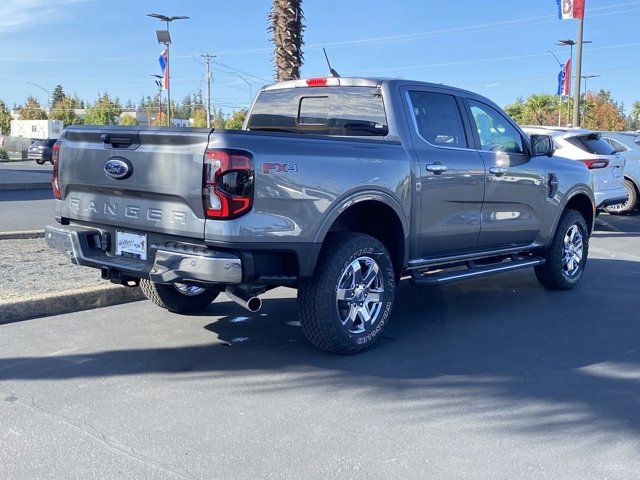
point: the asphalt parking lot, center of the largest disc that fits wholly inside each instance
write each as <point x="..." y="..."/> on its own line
<point x="493" y="378"/>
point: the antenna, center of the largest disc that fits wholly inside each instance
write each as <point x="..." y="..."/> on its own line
<point x="332" y="72"/>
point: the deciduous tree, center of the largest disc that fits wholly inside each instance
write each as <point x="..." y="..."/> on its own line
<point x="5" y="119"/>
<point x="32" y="110"/>
<point x="103" y="112"/>
<point x="65" y="110"/>
<point x="236" y="120"/>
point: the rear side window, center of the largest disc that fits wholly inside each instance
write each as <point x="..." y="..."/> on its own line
<point x="495" y="132"/>
<point x="617" y="146"/>
<point x="438" y="119"/>
<point x="336" y="111"/>
<point x="591" y="143"/>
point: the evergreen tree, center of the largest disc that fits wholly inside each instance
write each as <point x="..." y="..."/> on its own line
<point x="58" y="95"/>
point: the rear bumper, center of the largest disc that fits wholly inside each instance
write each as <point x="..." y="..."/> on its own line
<point x="607" y="198"/>
<point x="167" y="262"/>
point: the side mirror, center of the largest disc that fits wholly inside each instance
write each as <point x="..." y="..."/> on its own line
<point x="542" y="145"/>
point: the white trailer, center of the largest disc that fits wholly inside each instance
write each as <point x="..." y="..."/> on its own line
<point x="42" y="129"/>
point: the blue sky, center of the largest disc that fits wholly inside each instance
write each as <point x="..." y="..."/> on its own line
<point x="495" y="47"/>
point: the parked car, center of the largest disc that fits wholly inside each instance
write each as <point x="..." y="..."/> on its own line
<point x="628" y="145"/>
<point x="588" y="147"/>
<point x="337" y="187"/>
<point x="40" y="151"/>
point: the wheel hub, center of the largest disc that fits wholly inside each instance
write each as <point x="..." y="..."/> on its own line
<point x="573" y="251"/>
<point x="359" y="295"/>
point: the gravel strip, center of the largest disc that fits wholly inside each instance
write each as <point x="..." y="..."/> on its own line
<point x="29" y="267"/>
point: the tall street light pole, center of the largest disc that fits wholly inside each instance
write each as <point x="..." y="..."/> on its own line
<point x="45" y="90"/>
<point x="576" y="103"/>
<point x="570" y="43"/>
<point x="165" y="38"/>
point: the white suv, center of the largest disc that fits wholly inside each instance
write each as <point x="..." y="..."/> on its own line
<point x="586" y="146"/>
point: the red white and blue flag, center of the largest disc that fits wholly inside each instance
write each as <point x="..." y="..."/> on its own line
<point x="164" y="64"/>
<point x="564" y="80"/>
<point x="568" y="9"/>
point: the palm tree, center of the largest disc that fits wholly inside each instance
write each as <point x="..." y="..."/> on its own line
<point x="286" y="27"/>
<point x="635" y="113"/>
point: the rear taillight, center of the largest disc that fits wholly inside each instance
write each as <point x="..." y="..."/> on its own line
<point x="227" y="183"/>
<point x="55" y="155"/>
<point x="593" y="164"/>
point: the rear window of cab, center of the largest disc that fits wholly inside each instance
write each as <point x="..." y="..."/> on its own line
<point x="335" y="111"/>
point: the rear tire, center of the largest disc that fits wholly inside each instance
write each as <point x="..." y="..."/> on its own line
<point x="630" y="205"/>
<point x="567" y="256"/>
<point x="40" y="161"/>
<point x="171" y="298"/>
<point x="346" y="305"/>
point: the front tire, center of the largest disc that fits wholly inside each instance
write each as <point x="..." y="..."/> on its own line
<point x="567" y="256"/>
<point x="628" y="206"/>
<point x="346" y="305"/>
<point x="179" y="298"/>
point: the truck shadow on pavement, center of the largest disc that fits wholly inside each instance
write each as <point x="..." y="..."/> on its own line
<point x="502" y="348"/>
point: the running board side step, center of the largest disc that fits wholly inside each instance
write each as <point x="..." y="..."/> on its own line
<point x="473" y="271"/>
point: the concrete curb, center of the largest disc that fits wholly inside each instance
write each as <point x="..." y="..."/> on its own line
<point x="24" y="186"/>
<point x="19" y="235"/>
<point x="58" y="303"/>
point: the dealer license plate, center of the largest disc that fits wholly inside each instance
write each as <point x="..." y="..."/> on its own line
<point x="131" y="245"/>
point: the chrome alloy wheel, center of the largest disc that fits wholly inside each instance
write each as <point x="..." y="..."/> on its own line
<point x="624" y="206"/>
<point x="188" y="290"/>
<point x="572" y="251"/>
<point x="359" y="295"/>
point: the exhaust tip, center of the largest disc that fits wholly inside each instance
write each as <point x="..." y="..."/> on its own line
<point x="254" y="304"/>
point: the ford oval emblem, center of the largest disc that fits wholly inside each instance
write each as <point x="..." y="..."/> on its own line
<point x="118" y="168"/>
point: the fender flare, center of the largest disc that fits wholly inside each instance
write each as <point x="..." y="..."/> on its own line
<point x="578" y="190"/>
<point x="354" y="198"/>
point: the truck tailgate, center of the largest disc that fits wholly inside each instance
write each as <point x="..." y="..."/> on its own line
<point x="160" y="189"/>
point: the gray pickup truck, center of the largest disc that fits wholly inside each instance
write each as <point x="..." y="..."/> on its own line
<point x="338" y="187"/>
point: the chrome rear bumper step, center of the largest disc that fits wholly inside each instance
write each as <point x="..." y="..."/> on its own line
<point x="473" y="271"/>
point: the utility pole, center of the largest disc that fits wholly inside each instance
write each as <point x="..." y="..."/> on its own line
<point x="576" y="102"/>
<point x="208" y="58"/>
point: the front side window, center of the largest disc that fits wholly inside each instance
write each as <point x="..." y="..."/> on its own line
<point x="438" y="119"/>
<point x="495" y="132"/>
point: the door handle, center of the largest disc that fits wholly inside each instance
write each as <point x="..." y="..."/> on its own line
<point x="498" y="171"/>
<point x="436" y="168"/>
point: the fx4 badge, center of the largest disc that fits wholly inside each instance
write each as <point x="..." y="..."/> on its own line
<point x="279" y="168"/>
